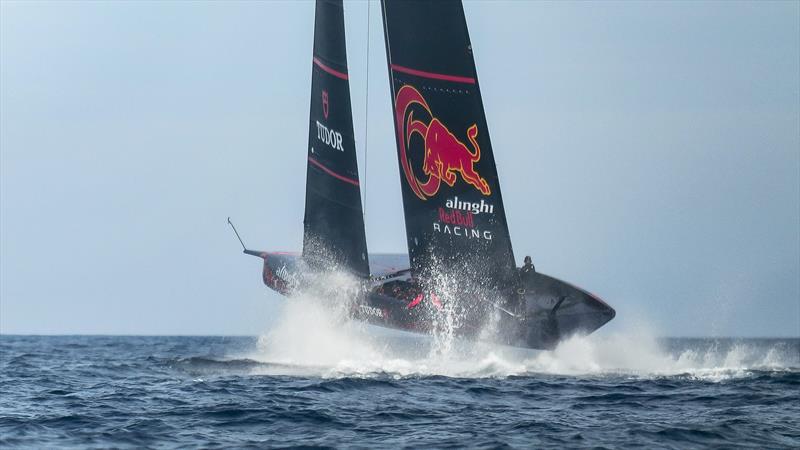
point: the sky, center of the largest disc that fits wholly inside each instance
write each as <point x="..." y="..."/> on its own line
<point x="648" y="152"/>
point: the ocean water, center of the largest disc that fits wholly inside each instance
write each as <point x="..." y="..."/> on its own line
<point x="311" y="381"/>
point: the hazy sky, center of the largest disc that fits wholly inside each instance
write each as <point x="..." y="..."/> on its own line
<point x="649" y="152"/>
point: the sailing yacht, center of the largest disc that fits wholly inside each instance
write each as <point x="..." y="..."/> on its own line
<point x="460" y="262"/>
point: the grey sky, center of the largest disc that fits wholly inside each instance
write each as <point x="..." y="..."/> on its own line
<point x="649" y="152"/>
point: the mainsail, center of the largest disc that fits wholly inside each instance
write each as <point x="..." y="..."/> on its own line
<point x="455" y="220"/>
<point x="334" y="224"/>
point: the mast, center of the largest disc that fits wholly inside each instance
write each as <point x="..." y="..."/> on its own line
<point x="334" y="236"/>
<point x="455" y="219"/>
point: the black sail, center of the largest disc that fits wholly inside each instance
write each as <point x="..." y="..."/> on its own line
<point x="455" y="220"/>
<point x="334" y="224"/>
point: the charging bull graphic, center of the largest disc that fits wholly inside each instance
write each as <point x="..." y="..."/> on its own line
<point x="445" y="156"/>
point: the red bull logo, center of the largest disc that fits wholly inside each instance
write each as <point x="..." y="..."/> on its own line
<point x="445" y="156"/>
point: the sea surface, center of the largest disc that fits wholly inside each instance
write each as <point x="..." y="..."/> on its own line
<point x="349" y="385"/>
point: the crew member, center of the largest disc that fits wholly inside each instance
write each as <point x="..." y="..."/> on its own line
<point x="528" y="266"/>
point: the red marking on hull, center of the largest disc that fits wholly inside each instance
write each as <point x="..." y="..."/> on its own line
<point x="436" y="302"/>
<point x="415" y="302"/>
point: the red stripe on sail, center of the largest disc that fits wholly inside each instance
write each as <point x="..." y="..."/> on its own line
<point x="332" y="173"/>
<point x="435" y="76"/>
<point x="330" y="70"/>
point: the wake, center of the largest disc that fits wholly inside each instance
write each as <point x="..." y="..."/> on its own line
<point x="309" y="340"/>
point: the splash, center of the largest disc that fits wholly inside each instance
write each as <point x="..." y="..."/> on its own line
<point x="313" y="337"/>
<point x="640" y="354"/>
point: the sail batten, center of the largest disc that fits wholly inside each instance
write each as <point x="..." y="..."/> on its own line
<point x="329" y="69"/>
<point x="431" y="75"/>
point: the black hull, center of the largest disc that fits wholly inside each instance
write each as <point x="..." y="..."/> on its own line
<point x="539" y="316"/>
<point x="550" y="311"/>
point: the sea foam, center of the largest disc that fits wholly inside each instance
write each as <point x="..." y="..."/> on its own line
<point x="312" y="336"/>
